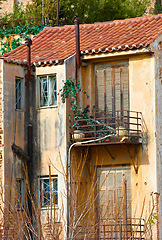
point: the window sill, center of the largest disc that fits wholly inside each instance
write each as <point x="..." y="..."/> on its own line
<point x="19" y="110"/>
<point x="49" y="207"/>
<point x="47" y="107"/>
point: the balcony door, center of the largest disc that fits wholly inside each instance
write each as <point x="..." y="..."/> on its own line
<point x="112" y="87"/>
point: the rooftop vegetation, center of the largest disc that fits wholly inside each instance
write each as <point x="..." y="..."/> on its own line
<point x="16" y="35"/>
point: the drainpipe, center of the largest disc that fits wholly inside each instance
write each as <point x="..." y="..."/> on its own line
<point x="28" y="44"/>
<point x="29" y="132"/>
<point x="77" y="37"/>
<point x="30" y="171"/>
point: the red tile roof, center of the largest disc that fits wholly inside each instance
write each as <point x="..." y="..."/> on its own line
<point x="54" y="44"/>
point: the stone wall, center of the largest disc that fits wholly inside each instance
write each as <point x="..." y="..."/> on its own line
<point x="8" y="6"/>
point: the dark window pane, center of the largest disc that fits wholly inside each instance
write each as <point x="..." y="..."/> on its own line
<point x="45" y="191"/>
<point x="46" y="194"/>
<point x="20" y="192"/>
<point x="48" y="90"/>
<point x="18" y="93"/>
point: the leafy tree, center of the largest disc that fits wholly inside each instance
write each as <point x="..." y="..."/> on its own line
<point x="158" y="7"/>
<point x="88" y="11"/>
<point x="101" y="10"/>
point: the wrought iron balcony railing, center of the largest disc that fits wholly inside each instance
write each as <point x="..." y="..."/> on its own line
<point x="110" y="127"/>
<point x="133" y="228"/>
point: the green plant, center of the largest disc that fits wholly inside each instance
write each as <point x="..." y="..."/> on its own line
<point x="153" y="218"/>
<point x="82" y="120"/>
<point x="89" y="11"/>
<point x="21" y="30"/>
<point x="71" y="89"/>
<point x="6" y="46"/>
<point x="22" y="33"/>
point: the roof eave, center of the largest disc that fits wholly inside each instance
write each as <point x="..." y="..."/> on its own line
<point x="17" y="62"/>
<point x="92" y="54"/>
<point x="114" y="53"/>
<point x="48" y="63"/>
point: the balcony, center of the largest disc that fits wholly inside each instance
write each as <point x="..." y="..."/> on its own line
<point x="108" y="127"/>
<point x="133" y="228"/>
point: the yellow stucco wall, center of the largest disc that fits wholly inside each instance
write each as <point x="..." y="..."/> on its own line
<point x="142" y="99"/>
<point x="51" y="122"/>
<point x="13" y="119"/>
<point x="13" y="122"/>
<point x="49" y="134"/>
<point x="156" y="47"/>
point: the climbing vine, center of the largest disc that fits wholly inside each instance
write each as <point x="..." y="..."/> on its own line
<point x="81" y="117"/>
<point x="15" y="36"/>
<point x="71" y="89"/>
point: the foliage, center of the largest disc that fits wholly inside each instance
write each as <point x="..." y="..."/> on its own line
<point x="7" y="46"/>
<point x="21" y="30"/>
<point x="82" y="120"/>
<point x="22" y="33"/>
<point x="106" y="10"/>
<point x="158" y="7"/>
<point x="35" y="9"/>
<point x="70" y="89"/>
<point x="89" y="11"/>
<point x="153" y="218"/>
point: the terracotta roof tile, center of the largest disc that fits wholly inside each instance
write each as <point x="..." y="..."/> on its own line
<point x="55" y="44"/>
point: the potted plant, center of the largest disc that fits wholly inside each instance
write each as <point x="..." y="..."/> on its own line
<point x="83" y="122"/>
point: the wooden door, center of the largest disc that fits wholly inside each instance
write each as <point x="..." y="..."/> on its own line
<point x="111" y="192"/>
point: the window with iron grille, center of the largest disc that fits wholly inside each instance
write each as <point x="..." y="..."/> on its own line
<point x="48" y="191"/>
<point x="19" y="92"/>
<point x="47" y="90"/>
<point x="20" y="193"/>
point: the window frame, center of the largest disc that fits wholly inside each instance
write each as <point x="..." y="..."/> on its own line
<point x="18" y="93"/>
<point x="112" y="66"/>
<point x="51" y="95"/>
<point x="43" y="204"/>
<point x="20" y="193"/>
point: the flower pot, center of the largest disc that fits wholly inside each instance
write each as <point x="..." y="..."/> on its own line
<point x="77" y="135"/>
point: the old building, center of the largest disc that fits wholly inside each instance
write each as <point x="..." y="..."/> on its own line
<point x="112" y="153"/>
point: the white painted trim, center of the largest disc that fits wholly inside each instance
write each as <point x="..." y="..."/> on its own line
<point x="115" y="54"/>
